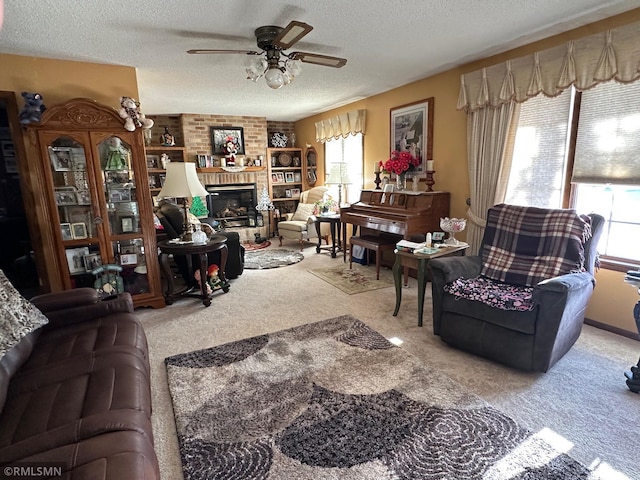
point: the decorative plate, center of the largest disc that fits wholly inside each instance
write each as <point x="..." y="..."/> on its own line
<point x="284" y="159"/>
<point x="279" y="140"/>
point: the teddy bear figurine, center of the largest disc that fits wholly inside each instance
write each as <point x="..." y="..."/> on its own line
<point x="130" y="111"/>
<point x="33" y="108"/>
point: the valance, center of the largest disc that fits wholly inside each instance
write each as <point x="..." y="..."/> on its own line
<point x="342" y="125"/>
<point x="583" y="63"/>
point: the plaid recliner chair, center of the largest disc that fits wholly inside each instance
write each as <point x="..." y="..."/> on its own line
<point x="522" y="300"/>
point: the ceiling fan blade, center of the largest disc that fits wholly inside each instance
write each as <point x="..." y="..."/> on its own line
<point x="246" y="52"/>
<point x="324" y="60"/>
<point x="291" y="34"/>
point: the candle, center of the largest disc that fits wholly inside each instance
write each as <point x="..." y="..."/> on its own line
<point x="377" y="167"/>
<point x="429" y="165"/>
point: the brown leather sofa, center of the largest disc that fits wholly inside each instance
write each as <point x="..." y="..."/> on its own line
<point x="76" y="392"/>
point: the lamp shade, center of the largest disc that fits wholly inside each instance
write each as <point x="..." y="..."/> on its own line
<point x="182" y="181"/>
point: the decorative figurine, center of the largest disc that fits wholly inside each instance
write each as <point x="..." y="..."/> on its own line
<point x="133" y="117"/>
<point x="230" y="148"/>
<point x="32" y="109"/>
<point x="166" y="139"/>
<point x="116" y="155"/>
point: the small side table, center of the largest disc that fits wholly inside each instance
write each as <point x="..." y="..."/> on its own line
<point x="419" y="261"/>
<point x="334" y="222"/>
<point x="216" y="242"/>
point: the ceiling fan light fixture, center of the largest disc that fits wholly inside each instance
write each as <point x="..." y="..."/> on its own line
<point x="294" y="67"/>
<point x="274" y="78"/>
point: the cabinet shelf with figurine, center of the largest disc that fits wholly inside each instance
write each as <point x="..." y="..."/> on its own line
<point x="157" y="157"/>
<point x="95" y="216"/>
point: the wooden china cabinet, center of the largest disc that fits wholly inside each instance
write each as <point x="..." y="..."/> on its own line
<point x="92" y="200"/>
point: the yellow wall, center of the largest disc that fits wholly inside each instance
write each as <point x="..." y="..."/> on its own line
<point x="59" y="80"/>
<point x="613" y="301"/>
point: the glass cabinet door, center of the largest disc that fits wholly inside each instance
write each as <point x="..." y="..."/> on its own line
<point x="121" y="200"/>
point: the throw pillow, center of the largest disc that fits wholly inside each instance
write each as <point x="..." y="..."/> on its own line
<point x="303" y="212"/>
<point x="18" y="316"/>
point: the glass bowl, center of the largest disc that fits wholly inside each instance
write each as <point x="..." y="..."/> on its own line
<point x="452" y="226"/>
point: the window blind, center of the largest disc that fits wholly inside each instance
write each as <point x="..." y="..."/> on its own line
<point x="608" y="140"/>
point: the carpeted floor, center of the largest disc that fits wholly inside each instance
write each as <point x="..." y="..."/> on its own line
<point x="251" y="246"/>
<point x="358" y="279"/>
<point x="583" y="399"/>
<point x="335" y="399"/>
<point x="270" y="258"/>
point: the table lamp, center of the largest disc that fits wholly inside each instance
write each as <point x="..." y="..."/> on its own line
<point x="338" y="175"/>
<point x="182" y="182"/>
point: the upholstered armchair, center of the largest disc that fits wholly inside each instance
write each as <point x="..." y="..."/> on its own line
<point x="300" y="226"/>
<point x="522" y="300"/>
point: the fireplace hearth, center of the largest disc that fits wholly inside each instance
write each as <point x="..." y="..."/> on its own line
<point x="232" y="204"/>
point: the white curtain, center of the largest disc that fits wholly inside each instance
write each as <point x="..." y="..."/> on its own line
<point x="341" y="126"/>
<point x="489" y="147"/>
<point x="585" y="62"/>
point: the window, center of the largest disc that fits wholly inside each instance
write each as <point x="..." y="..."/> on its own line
<point x="579" y="150"/>
<point x="348" y="151"/>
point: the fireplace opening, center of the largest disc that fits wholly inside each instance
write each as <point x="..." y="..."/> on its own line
<point x="232" y="203"/>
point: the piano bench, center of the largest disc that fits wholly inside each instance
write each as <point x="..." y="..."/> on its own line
<point x="371" y="242"/>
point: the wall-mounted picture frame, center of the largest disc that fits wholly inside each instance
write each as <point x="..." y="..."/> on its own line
<point x="65" y="197"/>
<point x="91" y="261"/>
<point x="126" y="224"/>
<point x="78" y="230"/>
<point x="60" y="158"/>
<point x="412" y="131"/>
<point x="119" y="195"/>
<point x="65" y="230"/>
<point x="288" y="177"/>
<point x="280" y="177"/>
<point x="221" y="135"/>
<point x="75" y="258"/>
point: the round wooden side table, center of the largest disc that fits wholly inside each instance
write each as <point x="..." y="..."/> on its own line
<point x="169" y="247"/>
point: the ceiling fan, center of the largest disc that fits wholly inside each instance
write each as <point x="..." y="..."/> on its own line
<point x="279" y="68"/>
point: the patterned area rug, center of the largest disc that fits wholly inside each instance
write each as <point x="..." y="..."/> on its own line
<point x="270" y="258"/>
<point x="335" y="399"/>
<point x="357" y="280"/>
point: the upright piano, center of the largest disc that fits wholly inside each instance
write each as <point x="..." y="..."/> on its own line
<point x="399" y="213"/>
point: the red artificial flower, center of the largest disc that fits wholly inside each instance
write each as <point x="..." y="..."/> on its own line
<point x="399" y="163"/>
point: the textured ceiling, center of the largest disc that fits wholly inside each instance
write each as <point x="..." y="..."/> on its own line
<point x="387" y="44"/>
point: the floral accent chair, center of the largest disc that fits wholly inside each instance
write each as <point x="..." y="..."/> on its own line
<point x="522" y="300"/>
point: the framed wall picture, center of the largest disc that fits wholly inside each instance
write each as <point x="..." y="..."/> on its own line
<point x="220" y="136"/>
<point x="91" y="261"/>
<point x="79" y="230"/>
<point x="65" y="229"/>
<point x="75" y="257"/>
<point x="412" y="131"/>
<point x="288" y="177"/>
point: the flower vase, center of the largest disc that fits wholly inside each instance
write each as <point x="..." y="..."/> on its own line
<point x="401" y="182"/>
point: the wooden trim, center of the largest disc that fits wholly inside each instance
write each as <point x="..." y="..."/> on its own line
<point x="612" y="329"/>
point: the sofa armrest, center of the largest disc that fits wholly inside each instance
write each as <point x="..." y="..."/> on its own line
<point x="450" y="268"/>
<point x="565" y="283"/>
<point x="50" y="302"/>
<point x="87" y="306"/>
